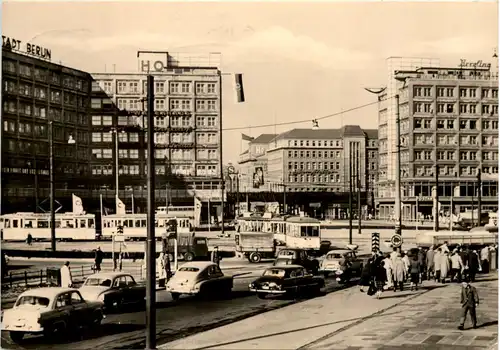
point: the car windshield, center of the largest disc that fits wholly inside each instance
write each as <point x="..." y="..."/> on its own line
<point x="189" y="269"/>
<point x="94" y="281"/>
<point x="333" y="256"/>
<point x="274" y="272"/>
<point x="33" y="300"/>
<point x="287" y="253"/>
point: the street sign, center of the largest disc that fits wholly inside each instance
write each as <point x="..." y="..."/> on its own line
<point x="396" y="241"/>
<point x="375" y="241"/>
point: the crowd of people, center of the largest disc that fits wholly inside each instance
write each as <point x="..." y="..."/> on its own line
<point x="439" y="263"/>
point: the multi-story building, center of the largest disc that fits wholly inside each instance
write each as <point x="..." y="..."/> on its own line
<point x="35" y="93"/>
<point x="187" y="133"/>
<point x="311" y="161"/>
<point x="449" y="122"/>
<point x="253" y="163"/>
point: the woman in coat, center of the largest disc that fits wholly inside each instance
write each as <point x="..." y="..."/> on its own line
<point x="437" y="265"/>
<point x="366" y="274"/>
<point x="445" y="266"/>
<point x="379" y="274"/>
<point x="429" y="262"/>
<point x="399" y="272"/>
<point x="414" y="272"/>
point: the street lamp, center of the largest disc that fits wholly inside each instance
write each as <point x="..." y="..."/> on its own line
<point x="71" y="140"/>
<point x="115" y="132"/>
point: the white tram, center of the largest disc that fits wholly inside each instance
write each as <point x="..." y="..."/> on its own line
<point x="69" y="226"/>
<point x="135" y="225"/>
<point x="290" y="231"/>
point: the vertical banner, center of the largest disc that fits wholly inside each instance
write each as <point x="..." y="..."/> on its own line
<point x="238" y="85"/>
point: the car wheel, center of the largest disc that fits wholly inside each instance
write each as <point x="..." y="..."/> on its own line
<point x="175" y="296"/>
<point x="188" y="257"/>
<point x="16" y="336"/>
<point x="262" y="295"/>
<point x="255" y="257"/>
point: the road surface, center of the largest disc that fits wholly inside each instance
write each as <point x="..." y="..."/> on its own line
<point x="174" y="320"/>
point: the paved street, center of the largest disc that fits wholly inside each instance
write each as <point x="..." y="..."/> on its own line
<point x="174" y="320"/>
<point x="425" y="319"/>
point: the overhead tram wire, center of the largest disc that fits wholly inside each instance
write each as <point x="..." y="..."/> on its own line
<point x="309" y="120"/>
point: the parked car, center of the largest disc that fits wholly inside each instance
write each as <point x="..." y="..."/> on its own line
<point x="299" y="257"/>
<point x="50" y="311"/>
<point x="344" y="263"/>
<point x="199" y="278"/>
<point x="288" y="279"/>
<point x="114" y="289"/>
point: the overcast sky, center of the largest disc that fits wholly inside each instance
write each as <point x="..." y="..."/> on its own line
<point x="299" y="60"/>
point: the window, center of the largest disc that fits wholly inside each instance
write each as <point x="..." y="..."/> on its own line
<point x="450" y="107"/>
<point x="159" y="87"/>
<point x="440" y="92"/>
<point x="174" y="88"/>
<point x="96" y="103"/>
<point x="486" y="109"/>
<point x="427" y="124"/>
<point x="449" y="92"/>
<point x="186" y="88"/>
<point x="96" y="137"/>
<point x="211" y="88"/>
<point x="451" y="124"/>
<point x="472" y="109"/>
<point x="211" y="106"/>
<point x="121" y="87"/>
<point x="160" y="104"/>
<point x="463" y="92"/>
<point x="472" y="92"/>
<point x="440" y="124"/>
<point x="418" y="91"/>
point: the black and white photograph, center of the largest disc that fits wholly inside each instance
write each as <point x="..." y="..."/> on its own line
<point x="296" y="175"/>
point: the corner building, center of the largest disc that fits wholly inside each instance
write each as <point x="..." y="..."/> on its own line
<point x="449" y="122"/>
<point x="187" y="135"/>
<point x="36" y="92"/>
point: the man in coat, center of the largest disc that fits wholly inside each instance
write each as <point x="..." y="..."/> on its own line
<point x="485" y="259"/>
<point x="99" y="255"/>
<point x="429" y="262"/>
<point x="469" y="299"/>
<point x="66" y="278"/>
<point x="473" y="264"/>
<point x="399" y="272"/>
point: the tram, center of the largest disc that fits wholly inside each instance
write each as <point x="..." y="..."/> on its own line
<point x="69" y="226"/>
<point x="135" y="225"/>
<point x="477" y="236"/>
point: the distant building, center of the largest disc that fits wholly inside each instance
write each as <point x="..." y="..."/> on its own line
<point x="306" y="160"/>
<point x="36" y="91"/>
<point x="449" y="119"/>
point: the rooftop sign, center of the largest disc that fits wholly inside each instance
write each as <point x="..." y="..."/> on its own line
<point x="474" y="65"/>
<point x="12" y="44"/>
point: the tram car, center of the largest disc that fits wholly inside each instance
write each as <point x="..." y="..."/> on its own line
<point x="69" y="226"/>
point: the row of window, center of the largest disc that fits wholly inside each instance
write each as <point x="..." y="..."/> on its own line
<point x="45" y="75"/>
<point x="41" y="131"/>
<point x="176" y="154"/>
<point x="41" y="112"/>
<point x="449" y="108"/>
<point x="320" y="166"/>
<point x="426" y="170"/>
<point x="451" y="155"/>
<point x="422" y="91"/>
<point x="450" y="124"/>
<point x="175" y="121"/>
<point x="174" y="87"/>
<point x="321" y="154"/>
<point x="41" y="93"/>
<point x="60" y="150"/>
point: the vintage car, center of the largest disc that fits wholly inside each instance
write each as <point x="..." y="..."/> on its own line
<point x="335" y="262"/>
<point x="288" y="279"/>
<point x="288" y="256"/>
<point x="201" y="278"/>
<point x="50" y="311"/>
<point x="114" y="289"/>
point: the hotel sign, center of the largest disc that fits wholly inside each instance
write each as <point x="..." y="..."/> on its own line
<point x="478" y="64"/>
<point x="12" y="44"/>
<point x="152" y="61"/>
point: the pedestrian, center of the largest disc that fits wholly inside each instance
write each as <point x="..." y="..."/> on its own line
<point x="379" y="275"/>
<point x="421" y="260"/>
<point x="469" y="300"/>
<point x="445" y="266"/>
<point x="394" y="254"/>
<point x="457" y="267"/>
<point x="406" y="260"/>
<point x="437" y="265"/>
<point x="99" y="255"/>
<point x="414" y="272"/>
<point x="444" y="247"/>
<point x="485" y="259"/>
<point x="366" y="274"/>
<point x="162" y="270"/>
<point x="388" y="271"/>
<point x="429" y="262"/>
<point x="473" y="264"/>
<point x="399" y="272"/>
<point x="29" y="239"/>
<point x="66" y="278"/>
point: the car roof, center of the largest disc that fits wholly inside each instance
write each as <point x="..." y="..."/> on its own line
<point x="285" y="267"/>
<point x="47" y="292"/>
<point x="109" y="275"/>
<point x="198" y="264"/>
<point x="338" y="251"/>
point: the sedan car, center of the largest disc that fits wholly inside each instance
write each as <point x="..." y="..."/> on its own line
<point x="289" y="279"/>
<point x="335" y="262"/>
<point x="49" y="311"/>
<point x="300" y="257"/>
<point x="199" y="278"/>
<point x="114" y="289"/>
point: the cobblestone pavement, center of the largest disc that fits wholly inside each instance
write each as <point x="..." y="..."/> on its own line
<point x="428" y="321"/>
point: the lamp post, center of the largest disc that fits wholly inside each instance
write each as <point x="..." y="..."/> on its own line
<point x="52" y="187"/>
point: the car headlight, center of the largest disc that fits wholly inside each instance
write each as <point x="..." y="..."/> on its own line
<point x="273" y="285"/>
<point x="339" y="272"/>
<point x="251" y="286"/>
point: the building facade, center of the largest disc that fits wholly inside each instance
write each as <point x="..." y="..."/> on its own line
<point x="36" y="93"/>
<point x="312" y="161"/>
<point x="187" y="133"/>
<point x="449" y="123"/>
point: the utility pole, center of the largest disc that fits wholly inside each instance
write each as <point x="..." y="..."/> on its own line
<point x="115" y="132"/>
<point x="479" y="194"/>
<point x="359" y="203"/>
<point x="397" y="201"/>
<point x="238" y="194"/>
<point x="350" y="193"/>
<point x="436" y="201"/>
<point x="151" y="239"/>
<point x="220" y="154"/>
<point x="52" y="189"/>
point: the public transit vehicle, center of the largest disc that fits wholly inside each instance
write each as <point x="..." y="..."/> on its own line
<point x="135" y="225"/>
<point x="477" y="236"/>
<point x="69" y="226"/>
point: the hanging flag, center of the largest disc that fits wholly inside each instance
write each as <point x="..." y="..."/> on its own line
<point x="120" y="207"/>
<point x="77" y="205"/>
<point x="247" y="138"/>
<point x="240" y="94"/>
<point x="197" y="211"/>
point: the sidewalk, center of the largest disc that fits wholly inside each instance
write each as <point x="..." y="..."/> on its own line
<point x="349" y="319"/>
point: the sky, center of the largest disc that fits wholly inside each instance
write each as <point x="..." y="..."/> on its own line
<point x="299" y="60"/>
